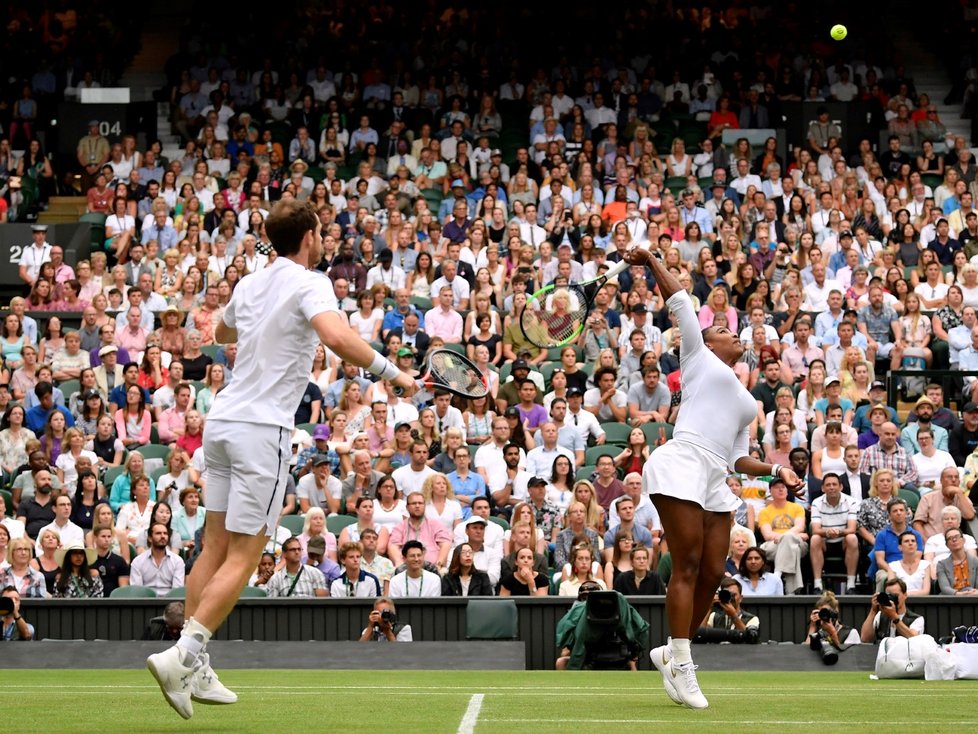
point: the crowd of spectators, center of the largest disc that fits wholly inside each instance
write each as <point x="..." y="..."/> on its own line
<point x="448" y="192"/>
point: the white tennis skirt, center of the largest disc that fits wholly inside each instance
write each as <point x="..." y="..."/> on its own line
<point x="688" y="472"/>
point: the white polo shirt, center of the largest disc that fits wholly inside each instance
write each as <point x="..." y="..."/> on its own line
<point x="34" y="257"/>
<point x="272" y="310"/>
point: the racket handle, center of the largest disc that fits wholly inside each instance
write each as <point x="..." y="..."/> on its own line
<point x="399" y="391"/>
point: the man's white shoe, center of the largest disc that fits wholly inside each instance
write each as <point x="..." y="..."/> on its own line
<point x="683" y="677"/>
<point x="175" y="679"/>
<point x="206" y="687"/>
<point x="660" y="657"/>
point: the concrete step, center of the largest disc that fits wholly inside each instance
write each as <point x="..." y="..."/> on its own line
<point x="67" y="205"/>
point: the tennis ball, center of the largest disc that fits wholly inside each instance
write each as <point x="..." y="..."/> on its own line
<point x="838" y="32"/>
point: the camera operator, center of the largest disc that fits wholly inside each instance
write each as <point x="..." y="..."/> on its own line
<point x="14" y="626"/>
<point x="727" y="622"/>
<point x="826" y="634"/>
<point x="888" y="615"/>
<point x="382" y="624"/>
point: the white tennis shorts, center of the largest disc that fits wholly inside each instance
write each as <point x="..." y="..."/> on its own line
<point x="688" y="472"/>
<point x="246" y="467"/>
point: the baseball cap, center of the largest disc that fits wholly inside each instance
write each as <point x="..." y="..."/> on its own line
<point x="476" y="520"/>
<point x="512" y="412"/>
<point x="405" y="352"/>
<point x="879" y="385"/>
<point x="321" y="432"/>
<point x="970" y="408"/>
<point x="401" y="425"/>
<point x="317" y="545"/>
<point x="520" y="364"/>
<point x="458" y="184"/>
<point x="495" y="151"/>
<point x="639" y="308"/>
<point x="832" y="381"/>
<point x="536" y="482"/>
<point x="845" y="233"/>
<point x="574" y="391"/>
<point x="90" y="394"/>
<point x="320" y="459"/>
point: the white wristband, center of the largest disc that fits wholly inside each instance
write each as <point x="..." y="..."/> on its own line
<point x="383" y="368"/>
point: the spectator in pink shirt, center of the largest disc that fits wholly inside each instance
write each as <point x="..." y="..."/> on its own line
<point x="432" y="534"/>
<point x="132" y="338"/>
<point x="173" y="420"/>
<point x="443" y="320"/>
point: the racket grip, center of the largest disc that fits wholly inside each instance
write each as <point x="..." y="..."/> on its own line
<point x="399" y="391"/>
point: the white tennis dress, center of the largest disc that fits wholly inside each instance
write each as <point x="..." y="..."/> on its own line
<point x="711" y="432"/>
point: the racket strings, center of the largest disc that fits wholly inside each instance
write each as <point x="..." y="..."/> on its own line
<point x="556" y="316"/>
<point x="459" y="374"/>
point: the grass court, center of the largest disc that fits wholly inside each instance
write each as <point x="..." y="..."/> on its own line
<point x="447" y="702"/>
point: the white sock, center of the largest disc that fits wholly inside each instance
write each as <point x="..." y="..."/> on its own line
<point x="680" y="651"/>
<point x="192" y="640"/>
<point x="817" y="583"/>
<point x="850" y="582"/>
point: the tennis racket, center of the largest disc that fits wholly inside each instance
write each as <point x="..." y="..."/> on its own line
<point x="556" y="314"/>
<point x="451" y="371"/>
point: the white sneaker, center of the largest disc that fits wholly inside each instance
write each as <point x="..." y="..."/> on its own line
<point x="687" y="688"/>
<point x="206" y="687"/>
<point x="660" y="657"/>
<point x="175" y="679"/>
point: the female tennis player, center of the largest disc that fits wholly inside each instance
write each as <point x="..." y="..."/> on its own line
<point x="686" y="477"/>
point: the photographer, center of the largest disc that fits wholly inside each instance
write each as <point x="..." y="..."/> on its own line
<point x="382" y="624"/>
<point x="727" y="622"/>
<point x="888" y="615"/>
<point x="15" y="627"/>
<point x="826" y="634"/>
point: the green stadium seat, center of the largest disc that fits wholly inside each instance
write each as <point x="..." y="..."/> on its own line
<point x="664" y="569"/>
<point x="8" y="502"/>
<point x="500" y="521"/>
<point x="211" y="350"/>
<point x="68" y="387"/>
<point x="336" y="523"/>
<point x="592" y="454"/>
<point x="133" y="592"/>
<point x="616" y="433"/>
<point x="585" y="472"/>
<point x="457" y="348"/>
<point x="912" y="498"/>
<point x="155" y="451"/>
<point x="307" y="427"/>
<point x="111" y="474"/>
<point x="292" y="523"/>
<point x="651" y="431"/>
<point x="178" y="593"/>
<point x="491" y="619"/>
<point x="421" y="303"/>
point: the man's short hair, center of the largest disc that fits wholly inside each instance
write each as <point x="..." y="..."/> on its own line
<point x="481" y="498"/>
<point x="895" y="501"/>
<point x="411" y="545"/>
<point x="897" y="582"/>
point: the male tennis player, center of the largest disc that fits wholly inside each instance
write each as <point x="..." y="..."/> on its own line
<point x="687" y="477"/>
<point x="276" y="316"/>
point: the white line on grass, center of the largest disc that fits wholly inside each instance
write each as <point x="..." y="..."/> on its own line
<point x="727" y="721"/>
<point x="471" y="714"/>
<point x="883" y="689"/>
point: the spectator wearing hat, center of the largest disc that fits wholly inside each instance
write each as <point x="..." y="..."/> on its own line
<point x="877" y="396"/>
<point x="319" y="488"/>
<point x="316" y="556"/>
<point x="486" y="557"/>
<point x="963" y="440"/>
<point x="35" y="254"/>
<point x="509" y="391"/>
<point x="412" y="336"/>
<point x="295" y="579"/>
<point x="943" y="417"/>
<point x="924" y="408"/>
<point x="878" y="415"/>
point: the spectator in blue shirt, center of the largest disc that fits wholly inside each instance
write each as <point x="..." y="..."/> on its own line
<point x="887" y="549"/>
<point x="36" y="418"/>
<point x="466" y="484"/>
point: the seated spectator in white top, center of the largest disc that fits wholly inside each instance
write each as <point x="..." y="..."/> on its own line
<point x="411" y="477"/>
<point x="414" y="581"/>
<point x="930" y="461"/>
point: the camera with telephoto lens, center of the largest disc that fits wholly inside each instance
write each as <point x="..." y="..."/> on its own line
<point x="822" y="644"/>
<point x="828" y="615"/>
<point x="724" y="596"/>
<point x="885" y="599"/>
<point x="389" y="616"/>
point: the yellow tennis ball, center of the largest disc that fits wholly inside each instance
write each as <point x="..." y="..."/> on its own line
<point x="838" y="32"/>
